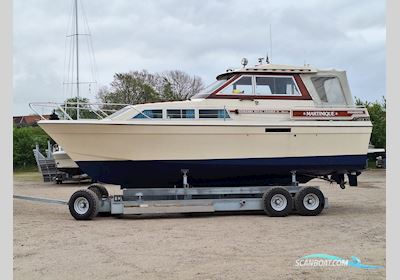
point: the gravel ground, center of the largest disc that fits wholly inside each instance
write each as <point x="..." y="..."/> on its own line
<point x="50" y="244"/>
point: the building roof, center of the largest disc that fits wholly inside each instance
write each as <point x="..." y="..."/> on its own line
<point x="28" y="120"/>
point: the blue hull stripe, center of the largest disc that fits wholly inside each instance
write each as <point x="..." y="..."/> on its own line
<point x="218" y="172"/>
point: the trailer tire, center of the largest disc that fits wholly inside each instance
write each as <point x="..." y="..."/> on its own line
<point x="98" y="189"/>
<point x="58" y="180"/>
<point x="277" y="202"/>
<point x="309" y="201"/>
<point x="83" y="204"/>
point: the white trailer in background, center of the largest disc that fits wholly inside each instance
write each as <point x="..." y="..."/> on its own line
<point x="56" y="166"/>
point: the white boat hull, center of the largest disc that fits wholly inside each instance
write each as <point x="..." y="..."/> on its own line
<point x="148" y="154"/>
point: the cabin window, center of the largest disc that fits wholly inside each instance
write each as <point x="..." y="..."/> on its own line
<point x="329" y="90"/>
<point x="213" y="114"/>
<point x="180" y="114"/>
<point x="242" y="86"/>
<point x="263" y="86"/>
<point x="268" y="85"/>
<point x="152" y="114"/>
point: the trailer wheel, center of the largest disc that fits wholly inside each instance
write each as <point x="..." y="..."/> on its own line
<point x="83" y="204"/>
<point x="309" y="201"/>
<point x="277" y="202"/>
<point x="58" y="180"/>
<point x="98" y="189"/>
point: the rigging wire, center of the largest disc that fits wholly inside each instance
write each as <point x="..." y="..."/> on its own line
<point x="70" y="85"/>
<point x="89" y="41"/>
<point x="67" y="47"/>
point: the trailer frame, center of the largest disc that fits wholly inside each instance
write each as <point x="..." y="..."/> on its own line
<point x="273" y="200"/>
<point x="190" y="200"/>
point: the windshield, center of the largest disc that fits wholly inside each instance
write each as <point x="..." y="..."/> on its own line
<point x="119" y="112"/>
<point x="209" y="89"/>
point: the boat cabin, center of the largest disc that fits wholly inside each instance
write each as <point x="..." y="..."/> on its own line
<point x="273" y="81"/>
<point x="267" y="87"/>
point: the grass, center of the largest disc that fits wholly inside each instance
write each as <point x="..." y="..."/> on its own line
<point x="29" y="173"/>
<point x="29" y="168"/>
<point x="372" y="164"/>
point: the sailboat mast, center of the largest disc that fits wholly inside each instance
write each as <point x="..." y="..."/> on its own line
<point x="77" y="57"/>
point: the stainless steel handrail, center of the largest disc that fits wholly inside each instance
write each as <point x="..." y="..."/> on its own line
<point x="96" y="108"/>
<point x="318" y="106"/>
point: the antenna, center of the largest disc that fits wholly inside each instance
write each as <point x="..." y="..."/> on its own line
<point x="266" y="47"/>
<point x="268" y="55"/>
<point x="269" y="58"/>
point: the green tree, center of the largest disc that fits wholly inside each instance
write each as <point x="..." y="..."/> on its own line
<point x="24" y="141"/>
<point x="130" y="88"/>
<point x="167" y="91"/>
<point x="377" y="112"/>
<point x="138" y="87"/>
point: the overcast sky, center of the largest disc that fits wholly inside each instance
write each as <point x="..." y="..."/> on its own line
<point x="202" y="38"/>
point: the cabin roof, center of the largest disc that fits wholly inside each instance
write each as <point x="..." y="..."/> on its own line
<point x="269" y="68"/>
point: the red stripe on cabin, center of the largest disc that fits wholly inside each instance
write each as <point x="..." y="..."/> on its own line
<point x="321" y="113"/>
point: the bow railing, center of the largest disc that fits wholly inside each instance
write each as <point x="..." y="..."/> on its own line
<point x="76" y="111"/>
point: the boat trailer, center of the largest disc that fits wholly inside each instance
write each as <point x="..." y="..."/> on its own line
<point x="275" y="201"/>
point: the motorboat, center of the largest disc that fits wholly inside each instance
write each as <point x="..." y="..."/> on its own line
<point x="254" y="126"/>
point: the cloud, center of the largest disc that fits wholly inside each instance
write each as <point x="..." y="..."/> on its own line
<point x="202" y="38"/>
